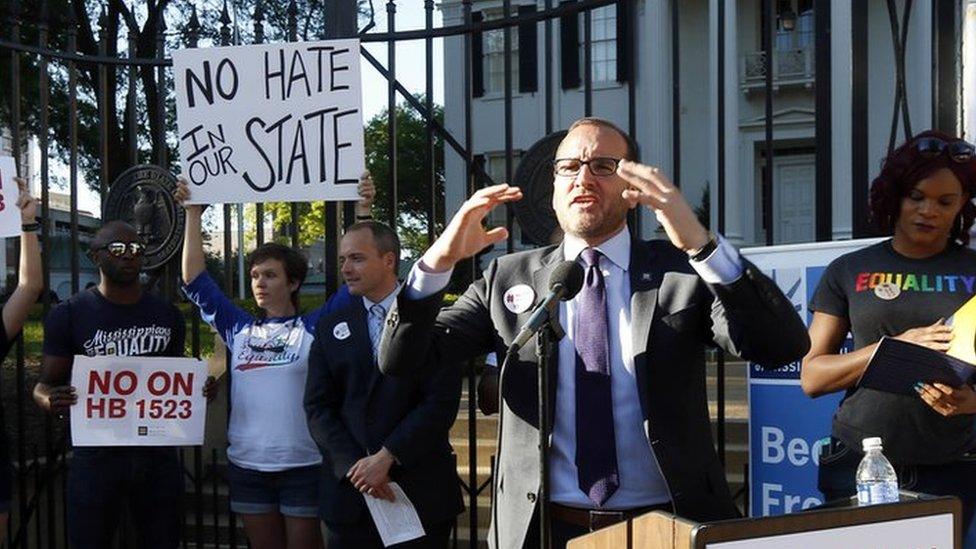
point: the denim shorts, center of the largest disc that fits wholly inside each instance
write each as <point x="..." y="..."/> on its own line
<point x="293" y="492"/>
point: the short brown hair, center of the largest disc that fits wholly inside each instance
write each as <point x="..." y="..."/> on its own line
<point x="294" y="262"/>
<point x="604" y="123"/>
<point x="385" y="238"/>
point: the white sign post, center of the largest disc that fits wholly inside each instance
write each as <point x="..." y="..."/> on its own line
<point x="9" y="213"/>
<point x="270" y="122"/>
<point x="138" y="401"/>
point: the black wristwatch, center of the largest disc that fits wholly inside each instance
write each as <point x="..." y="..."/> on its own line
<point x="702" y="253"/>
<point x="30" y="227"/>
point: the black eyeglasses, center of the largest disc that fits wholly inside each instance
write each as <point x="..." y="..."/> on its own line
<point x="958" y="150"/>
<point x="570" y="167"/>
<point x="119" y="248"/>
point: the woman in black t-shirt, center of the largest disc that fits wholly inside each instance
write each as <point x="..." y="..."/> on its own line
<point x="12" y="319"/>
<point x="904" y="287"/>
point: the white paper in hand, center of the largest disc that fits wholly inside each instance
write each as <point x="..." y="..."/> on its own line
<point x="9" y="213"/>
<point x="396" y="521"/>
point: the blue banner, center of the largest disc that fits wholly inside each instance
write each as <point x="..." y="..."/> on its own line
<point x="786" y="427"/>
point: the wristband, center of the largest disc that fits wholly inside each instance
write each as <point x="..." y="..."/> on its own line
<point x="31" y="227"/>
<point x="702" y="253"/>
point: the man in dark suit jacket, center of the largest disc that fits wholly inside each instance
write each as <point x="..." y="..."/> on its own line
<point x="372" y="428"/>
<point x="629" y="408"/>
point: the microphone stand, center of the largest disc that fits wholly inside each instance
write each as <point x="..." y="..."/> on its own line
<point x="551" y="333"/>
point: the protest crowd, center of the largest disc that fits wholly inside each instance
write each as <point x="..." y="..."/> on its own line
<point x="339" y="417"/>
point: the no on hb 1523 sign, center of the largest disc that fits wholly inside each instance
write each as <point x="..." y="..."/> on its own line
<point x="271" y="122"/>
<point x="138" y="401"/>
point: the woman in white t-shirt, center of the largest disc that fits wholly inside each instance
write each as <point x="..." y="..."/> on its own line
<point x="274" y="463"/>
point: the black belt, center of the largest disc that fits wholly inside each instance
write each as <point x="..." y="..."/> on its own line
<point x="594" y="519"/>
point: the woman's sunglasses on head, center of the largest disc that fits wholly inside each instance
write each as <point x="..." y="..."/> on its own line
<point x="957" y="149"/>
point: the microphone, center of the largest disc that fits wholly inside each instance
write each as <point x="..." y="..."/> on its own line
<point x="565" y="282"/>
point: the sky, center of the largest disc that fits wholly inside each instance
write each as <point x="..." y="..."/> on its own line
<point x="411" y="72"/>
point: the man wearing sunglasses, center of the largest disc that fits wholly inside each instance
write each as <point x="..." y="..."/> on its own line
<point x="631" y="430"/>
<point x="114" y="318"/>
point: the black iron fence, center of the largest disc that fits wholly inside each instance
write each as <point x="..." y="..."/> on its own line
<point x="92" y="84"/>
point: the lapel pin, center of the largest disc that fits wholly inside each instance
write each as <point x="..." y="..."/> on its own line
<point x="341" y="331"/>
<point x="646" y="277"/>
<point x="519" y="298"/>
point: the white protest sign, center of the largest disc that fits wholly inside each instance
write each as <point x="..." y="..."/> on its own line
<point x="270" y="122"/>
<point x="138" y="401"/>
<point x="9" y="212"/>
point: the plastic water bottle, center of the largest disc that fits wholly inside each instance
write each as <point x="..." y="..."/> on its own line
<point x="876" y="478"/>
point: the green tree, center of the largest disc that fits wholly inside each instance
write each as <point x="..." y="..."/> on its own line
<point x="119" y="20"/>
<point x="413" y="172"/>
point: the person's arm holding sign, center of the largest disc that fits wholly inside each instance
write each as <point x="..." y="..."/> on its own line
<point x="194" y="260"/>
<point x="367" y="193"/>
<point x="30" y="279"/>
<point x="53" y="393"/>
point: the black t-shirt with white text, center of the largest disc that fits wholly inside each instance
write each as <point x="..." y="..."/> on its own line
<point x="883" y="293"/>
<point x="88" y="324"/>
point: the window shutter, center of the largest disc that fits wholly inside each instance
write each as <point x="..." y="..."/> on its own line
<point x="527" y="56"/>
<point x="569" y="48"/>
<point x="624" y="41"/>
<point x="477" y="61"/>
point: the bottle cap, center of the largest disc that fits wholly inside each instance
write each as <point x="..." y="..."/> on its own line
<point x="870" y="443"/>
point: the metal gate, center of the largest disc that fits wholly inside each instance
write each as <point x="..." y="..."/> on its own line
<point x="92" y="84"/>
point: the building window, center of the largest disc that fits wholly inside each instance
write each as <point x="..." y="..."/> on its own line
<point x="794" y="25"/>
<point x="603" y="43"/>
<point x="493" y="57"/>
<point x="495" y="168"/>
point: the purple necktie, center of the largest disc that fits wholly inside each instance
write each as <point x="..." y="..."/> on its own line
<point x="596" y="448"/>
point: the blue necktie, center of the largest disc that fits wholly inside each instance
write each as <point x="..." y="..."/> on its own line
<point x="377" y="315"/>
<point x="596" y="448"/>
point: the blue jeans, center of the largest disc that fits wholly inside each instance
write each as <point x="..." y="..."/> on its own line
<point x="838" y="467"/>
<point x="105" y="482"/>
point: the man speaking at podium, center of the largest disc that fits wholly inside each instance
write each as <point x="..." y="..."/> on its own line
<point x="633" y="354"/>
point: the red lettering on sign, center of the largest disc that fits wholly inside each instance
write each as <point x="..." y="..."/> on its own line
<point x="124" y="383"/>
<point x="160" y="383"/>
<point x="98" y="383"/>
<point x="182" y="384"/>
<point x="94" y="407"/>
<point x="154" y="383"/>
<point x="116" y="408"/>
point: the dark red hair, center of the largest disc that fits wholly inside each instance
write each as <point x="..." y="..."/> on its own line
<point x="904" y="168"/>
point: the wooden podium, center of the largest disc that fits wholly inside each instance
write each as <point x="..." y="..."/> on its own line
<point x="917" y="520"/>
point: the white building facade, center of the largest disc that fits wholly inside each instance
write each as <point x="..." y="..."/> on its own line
<point x="695" y="106"/>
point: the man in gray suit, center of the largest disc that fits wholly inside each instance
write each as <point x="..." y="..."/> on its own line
<point x="629" y="409"/>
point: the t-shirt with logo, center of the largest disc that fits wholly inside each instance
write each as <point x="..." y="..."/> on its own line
<point x="883" y="293"/>
<point x="91" y="325"/>
<point x="267" y="430"/>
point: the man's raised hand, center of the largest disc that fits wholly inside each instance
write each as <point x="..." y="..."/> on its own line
<point x="653" y="189"/>
<point x="465" y="235"/>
